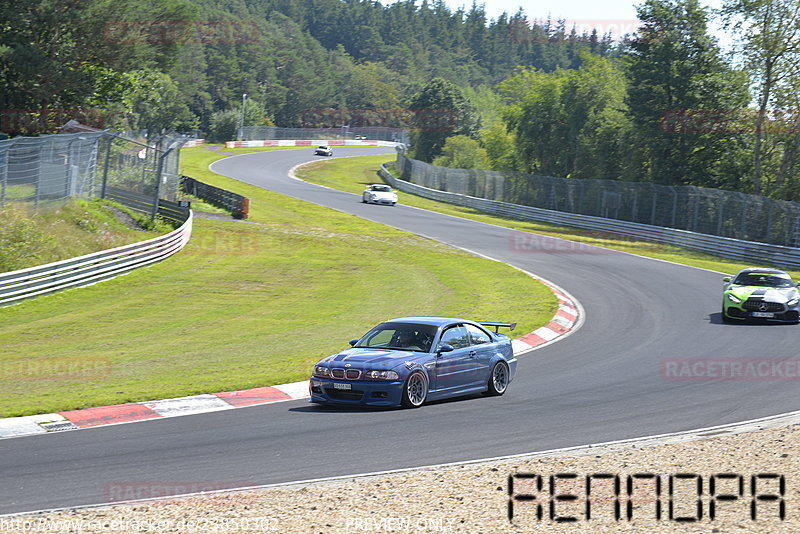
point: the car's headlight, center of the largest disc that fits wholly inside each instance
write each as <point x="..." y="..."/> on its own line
<point x="382" y="375"/>
<point x="794" y="301"/>
<point x="734" y="298"/>
<point x="319" y="370"/>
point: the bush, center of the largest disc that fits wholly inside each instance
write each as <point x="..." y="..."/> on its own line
<point x="21" y="239"/>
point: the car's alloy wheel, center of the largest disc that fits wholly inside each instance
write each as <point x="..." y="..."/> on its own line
<point x="415" y="390"/>
<point x="498" y="380"/>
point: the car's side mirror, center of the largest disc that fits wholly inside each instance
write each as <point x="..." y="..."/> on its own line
<point x="445" y="348"/>
<point x="726" y="279"/>
<point x="353" y="342"/>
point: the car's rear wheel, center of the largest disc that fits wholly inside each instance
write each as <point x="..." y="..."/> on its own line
<point x="415" y="390"/>
<point x="498" y="379"/>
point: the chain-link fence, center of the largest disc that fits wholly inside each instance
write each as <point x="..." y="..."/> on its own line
<point x="54" y="168"/>
<point x="377" y="133"/>
<point x="49" y="169"/>
<point x="696" y="209"/>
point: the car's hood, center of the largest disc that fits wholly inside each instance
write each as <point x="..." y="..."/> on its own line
<point x="768" y="294"/>
<point x="373" y="358"/>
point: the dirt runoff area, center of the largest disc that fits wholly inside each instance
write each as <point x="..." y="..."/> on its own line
<point x="745" y="482"/>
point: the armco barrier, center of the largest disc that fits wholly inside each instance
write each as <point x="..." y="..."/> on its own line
<point x="746" y="251"/>
<point x="238" y="205"/>
<point x="91" y="268"/>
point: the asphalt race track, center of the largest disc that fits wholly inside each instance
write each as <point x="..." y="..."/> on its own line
<point x="602" y="383"/>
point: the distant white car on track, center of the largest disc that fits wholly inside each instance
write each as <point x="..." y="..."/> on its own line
<point x="379" y="194"/>
<point x="323" y="150"/>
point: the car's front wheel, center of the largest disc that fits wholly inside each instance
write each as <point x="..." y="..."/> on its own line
<point x="725" y="318"/>
<point x="498" y="379"/>
<point x="415" y="390"/>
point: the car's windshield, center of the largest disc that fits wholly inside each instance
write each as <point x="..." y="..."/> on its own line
<point x="384" y="188"/>
<point x="400" y="336"/>
<point x="762" y="280"/>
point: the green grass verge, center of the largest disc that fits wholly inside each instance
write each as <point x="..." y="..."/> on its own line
<point x="64" y="231"/>
<point x="353" y="175"/>
<point x="246" y="304"/>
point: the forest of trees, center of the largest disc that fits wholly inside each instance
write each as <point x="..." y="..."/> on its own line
<point x="666" y="105"/>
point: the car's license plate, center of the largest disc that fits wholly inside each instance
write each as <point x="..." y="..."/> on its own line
<point x="337" y="385"/>
<point x="763" y="314"/>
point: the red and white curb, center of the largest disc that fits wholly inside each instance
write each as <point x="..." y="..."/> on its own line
<point x="565" y="321"/>
<point x="143" y="411"/>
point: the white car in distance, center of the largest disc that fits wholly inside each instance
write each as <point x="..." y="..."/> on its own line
<point x="323" y="150"/>
<point x="379" y="194"/>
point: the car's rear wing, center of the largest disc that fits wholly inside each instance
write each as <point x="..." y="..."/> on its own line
<point x="497" y="326"/>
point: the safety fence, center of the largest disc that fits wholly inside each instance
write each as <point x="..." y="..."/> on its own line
<point x="238" y="205"/>
<point x="91" y="268"/>
<point x="50" y="169"/>
<point x="747" y="251"/>
<point x="695" y="209"/>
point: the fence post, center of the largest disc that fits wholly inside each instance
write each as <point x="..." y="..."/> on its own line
<point x="4" y="175"/>
<point x="106" y="165"/>
<point x="157" y="193"/>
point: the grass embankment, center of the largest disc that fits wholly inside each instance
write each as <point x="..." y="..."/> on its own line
<point x="29" y="238"/>
<point x="244" y="305"/>
<point x="352" y="176"/>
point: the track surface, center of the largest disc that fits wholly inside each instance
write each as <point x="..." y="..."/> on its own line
<point x="601" y="384"/>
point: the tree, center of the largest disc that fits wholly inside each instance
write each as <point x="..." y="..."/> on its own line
<point x="462" y="152"/>
<point x="770" y="33"/>
<point x="676" y="71"/>
<point x="439" y="111"/>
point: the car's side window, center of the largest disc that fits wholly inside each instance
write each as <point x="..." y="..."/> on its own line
<point x="478" y="336"/>
<point x="456" y="336"/>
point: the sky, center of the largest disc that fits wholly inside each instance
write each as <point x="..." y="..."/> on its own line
<point x="568" y="9"/>
<point x="615" y="16"/>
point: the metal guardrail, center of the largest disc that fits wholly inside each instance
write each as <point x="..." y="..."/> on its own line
<point x="747" y="251"/>
<point x="238" y="205"/>
<point x="91" y="268"/>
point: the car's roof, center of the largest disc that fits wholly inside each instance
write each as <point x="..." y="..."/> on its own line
<point x="434" y="321"/>
<point x="764" y="271"/>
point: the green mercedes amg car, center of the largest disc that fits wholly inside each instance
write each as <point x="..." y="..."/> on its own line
<point x="761" y="294"/>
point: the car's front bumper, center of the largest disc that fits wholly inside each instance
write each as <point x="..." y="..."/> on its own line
<point x="786" y="314"/>
<point x="361" y="392"/>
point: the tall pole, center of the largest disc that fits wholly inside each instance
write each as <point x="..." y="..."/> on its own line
<point x="241" y="121"/>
